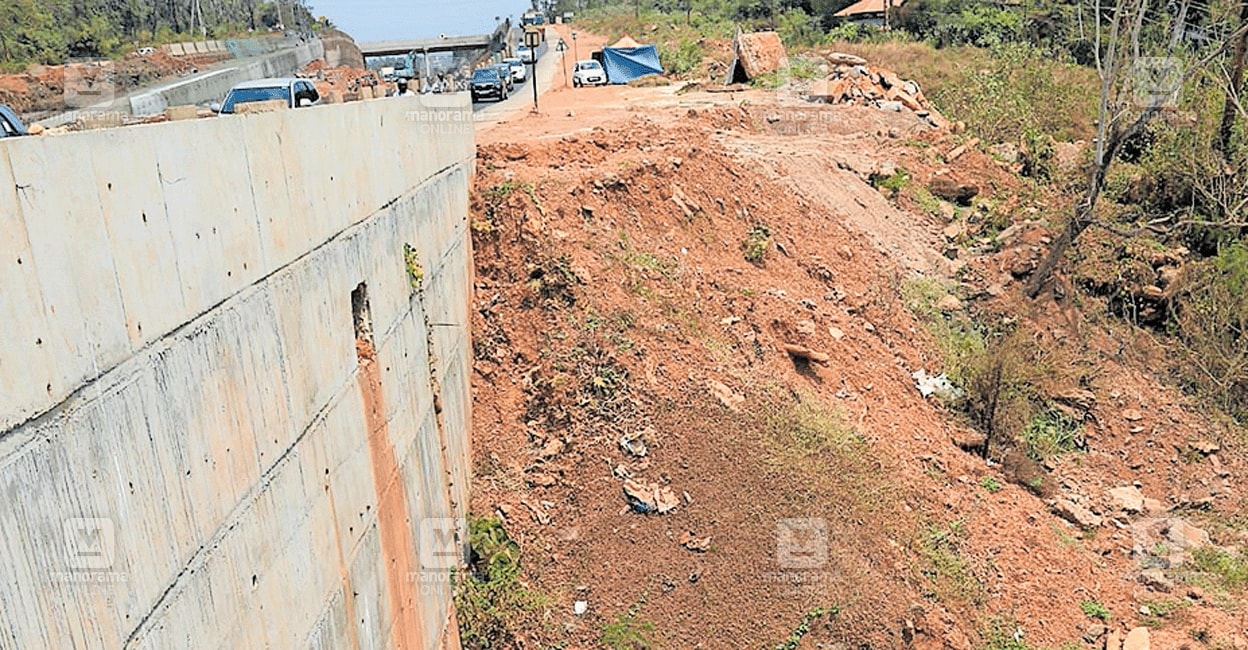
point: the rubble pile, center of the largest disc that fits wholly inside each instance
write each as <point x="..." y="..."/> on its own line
<point x="343" y="84"/>
<point x="854" y="81"/>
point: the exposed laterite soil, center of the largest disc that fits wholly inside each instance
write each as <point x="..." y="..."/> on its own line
<point x="613" y="297"/>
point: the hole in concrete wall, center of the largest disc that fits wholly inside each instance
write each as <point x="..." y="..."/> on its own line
<point x="362" y="317"/>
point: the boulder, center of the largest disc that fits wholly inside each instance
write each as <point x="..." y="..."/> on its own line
<point x="951" y="190"/>
<point x="1137" y="639"/>
<point x="1126" y="499"/>
<point x="1156" y="580"/>
<point x="840" y="58"/>
<point x="1185" y="536"/>
<point x="1076" y="514"/>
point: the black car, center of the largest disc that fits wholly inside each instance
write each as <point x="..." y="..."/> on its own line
<point x="486" y="82"/>
<point x="504" y="71"/>
<point x="10" y="125"/>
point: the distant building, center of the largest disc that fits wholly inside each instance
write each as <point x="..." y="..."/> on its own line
<point x="868" y="12"/>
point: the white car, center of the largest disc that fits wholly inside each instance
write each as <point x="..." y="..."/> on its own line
<point x="518" y="72"/>
<point x="588" y="73"/>
<point x="297" y="93"/>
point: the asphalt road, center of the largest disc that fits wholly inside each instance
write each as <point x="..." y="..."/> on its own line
<point x="522" y="90"/>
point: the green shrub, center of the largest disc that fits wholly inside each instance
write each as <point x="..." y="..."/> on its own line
<point x="756" y="244"/>
<point x="491" y="602"/>
<point x="1226" y="570"/>
<point x="682" y="57"/>
<point x="1211" y="323"/>
<point x="1094" y="609"/>
<point x="1051" y="433"/>
<point x="629" y="631"/>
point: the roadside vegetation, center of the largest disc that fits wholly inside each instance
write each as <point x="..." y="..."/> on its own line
<point x="492" y="604"/>
<point x="36" y="31"/>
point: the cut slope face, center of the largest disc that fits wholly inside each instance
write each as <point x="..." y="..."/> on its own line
<point x="696" y="308"/>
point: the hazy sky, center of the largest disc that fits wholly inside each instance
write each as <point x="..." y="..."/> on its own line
<point x="373" y="20"/>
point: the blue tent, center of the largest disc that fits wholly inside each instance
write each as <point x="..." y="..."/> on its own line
<point x="628" y="60"/>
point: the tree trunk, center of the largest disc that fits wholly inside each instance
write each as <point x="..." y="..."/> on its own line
<point x="1227" y="129"/>
<point x="1080" y="222"/>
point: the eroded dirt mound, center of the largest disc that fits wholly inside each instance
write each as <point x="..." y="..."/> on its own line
<point x="43" y="89"/>
<point x="695" y="410"/>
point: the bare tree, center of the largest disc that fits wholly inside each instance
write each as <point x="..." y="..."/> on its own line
<point x="1139" y="80"/>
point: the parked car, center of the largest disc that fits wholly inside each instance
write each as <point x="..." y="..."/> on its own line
<point x="518" y="72"/>
<point x="10" y="124"/>
<point x="524" y="53"/>
<point x="487" y="83"/>
<point x="588" y="73"/>
<point x="504" y="72"/>
<point x="297" y="93"/>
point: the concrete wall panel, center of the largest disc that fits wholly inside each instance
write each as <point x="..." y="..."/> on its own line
<point x="205" y="398"/>
<point x="74" y="265"/>
<point x="26" y="362"/>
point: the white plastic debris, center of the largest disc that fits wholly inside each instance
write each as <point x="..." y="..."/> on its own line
<point x="580" y="607"/>
<point x="938" y="385"/>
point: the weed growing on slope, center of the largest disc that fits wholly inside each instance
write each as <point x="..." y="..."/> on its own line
<point x="629" y="631"/>
<point x="950" y="576"/>
<point x="795" y="639"/>
<point x="1094" y="609"/>
<point x="491" y="602"/>
<point x="756" y="243"/>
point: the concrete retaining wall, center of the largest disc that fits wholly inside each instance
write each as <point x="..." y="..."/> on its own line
<point x="212" y="86"/>
<point x="190" y="455"/>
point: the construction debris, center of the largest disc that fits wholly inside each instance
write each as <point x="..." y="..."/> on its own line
<point x="866" y="85"/>
<point x="695" y="543"/>
<point x="754" y="55"/>
<point x="938" y="385"/>
<point x="647" y="498"/>
<point x="634" y="443"/>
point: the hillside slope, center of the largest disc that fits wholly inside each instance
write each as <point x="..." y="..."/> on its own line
<point x="625" y="344"/>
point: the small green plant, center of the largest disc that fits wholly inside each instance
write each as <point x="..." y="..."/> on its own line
<point x="491" y="602"/>
<point x="1050" y="434"/>
<point x="952" y="580"/>
<point x="1001" y="633"/>
<point x="629" y="631"/>
<point x="893" y="184"/>
<point x="803" y="628"/>
<point x="756" y="244"/>
<point x="1154" y="612"/>
<point x="1222" y="569"/>
<point x="415" y="272"/>
<point x="1094" y="609"/>
<point x="991" y="484"/>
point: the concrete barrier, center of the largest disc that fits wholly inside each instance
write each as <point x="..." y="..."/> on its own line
<point x="194" y="453"/>
<point x="212" y="86"/>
